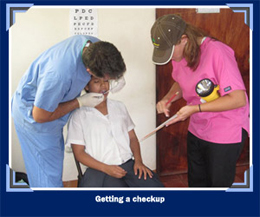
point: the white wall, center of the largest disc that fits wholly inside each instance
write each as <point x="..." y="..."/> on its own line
<point x="127" y="28"/>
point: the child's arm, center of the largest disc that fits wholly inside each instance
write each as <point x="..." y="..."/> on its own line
<point x="135" y="147"/>
<point x="86" y="159"/>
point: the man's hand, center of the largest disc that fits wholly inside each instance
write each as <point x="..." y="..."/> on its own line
<point x="90" y="99"/>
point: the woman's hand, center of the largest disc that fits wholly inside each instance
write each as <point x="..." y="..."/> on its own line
<point x="142" y="169"/>
<point x="173" y="95"/>
<point x="163" y="107"/>
<point x="115" y="171"/>
<point x="184" y="113"/>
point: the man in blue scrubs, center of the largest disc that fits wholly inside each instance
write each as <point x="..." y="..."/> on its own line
<point x="48" y="92"/>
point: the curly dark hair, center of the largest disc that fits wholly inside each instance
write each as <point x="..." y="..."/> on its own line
<point x="103" y="58"/>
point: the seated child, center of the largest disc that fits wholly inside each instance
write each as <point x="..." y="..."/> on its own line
<point x="104" y="140"/>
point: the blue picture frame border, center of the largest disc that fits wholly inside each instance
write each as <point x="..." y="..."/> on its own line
<point x="10" y="194"/>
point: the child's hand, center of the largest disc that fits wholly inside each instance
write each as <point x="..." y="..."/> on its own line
<point x="139" y="166"/>
<point x="115" y="171"/>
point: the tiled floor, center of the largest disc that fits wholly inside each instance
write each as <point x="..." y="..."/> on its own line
<point x="179" y="180"/>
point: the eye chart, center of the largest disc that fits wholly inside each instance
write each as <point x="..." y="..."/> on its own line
<point x="83" y="21"/>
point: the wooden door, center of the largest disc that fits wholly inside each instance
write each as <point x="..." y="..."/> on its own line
<point x="227" y="27"/>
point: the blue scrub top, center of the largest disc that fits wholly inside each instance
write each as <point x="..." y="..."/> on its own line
<point x="57" y="75"/>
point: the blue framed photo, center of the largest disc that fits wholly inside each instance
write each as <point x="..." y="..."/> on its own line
<point x="18" y="199"/>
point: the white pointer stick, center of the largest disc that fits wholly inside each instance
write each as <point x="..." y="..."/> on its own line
<point x="158" y="128"/>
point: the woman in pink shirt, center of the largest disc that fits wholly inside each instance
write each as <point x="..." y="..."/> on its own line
<point x="219" y="127"/>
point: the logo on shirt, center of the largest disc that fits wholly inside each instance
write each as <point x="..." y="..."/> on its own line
<point x="227" y="89"/>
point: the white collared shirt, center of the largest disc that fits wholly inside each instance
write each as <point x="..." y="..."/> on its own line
<point x="105" y="138"/>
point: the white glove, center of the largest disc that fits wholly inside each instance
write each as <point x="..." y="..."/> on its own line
<point x="90" y="99"/>
<point x="116" y="85"/>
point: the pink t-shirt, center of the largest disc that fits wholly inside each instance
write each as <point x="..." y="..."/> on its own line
<point x="218" y="64"/>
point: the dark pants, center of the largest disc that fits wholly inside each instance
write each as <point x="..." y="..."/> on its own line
<point x="95" y="178"/>
<point x="212" y="164"/>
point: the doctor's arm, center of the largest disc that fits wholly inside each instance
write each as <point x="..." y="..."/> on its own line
<point x="89" y="99"/>
<point x="86" y="159"/>
<point x="41" y="116"/>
